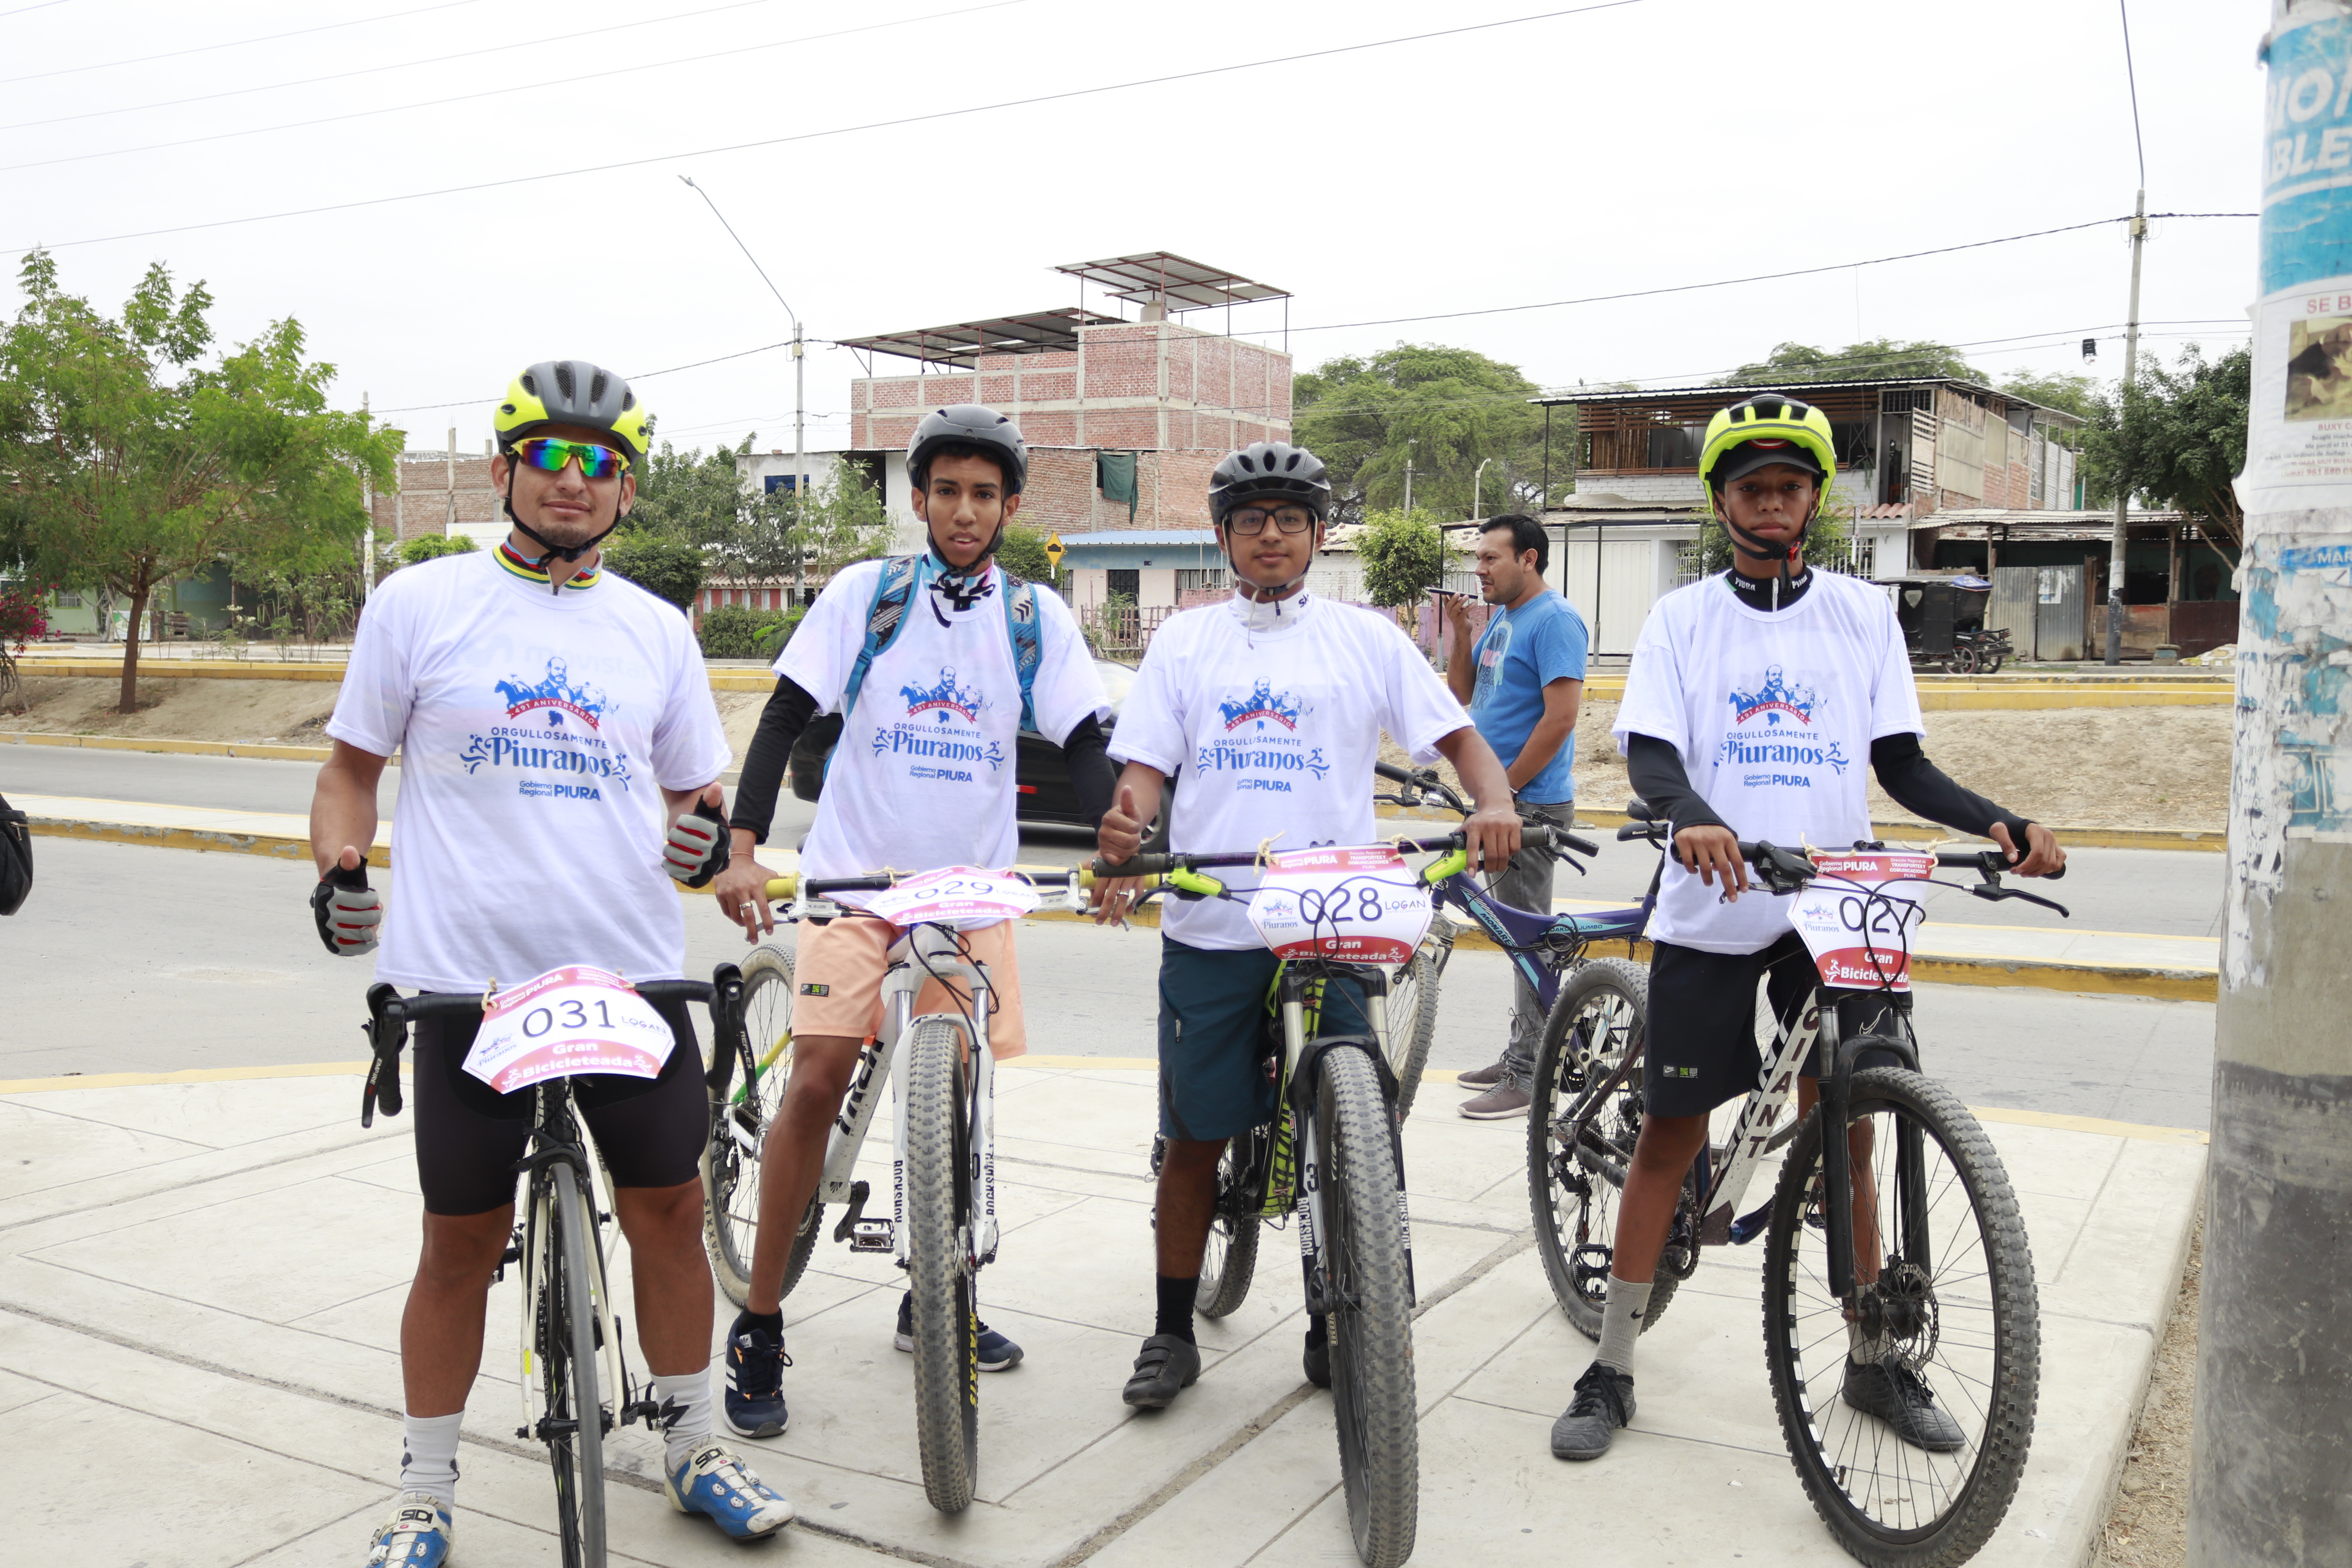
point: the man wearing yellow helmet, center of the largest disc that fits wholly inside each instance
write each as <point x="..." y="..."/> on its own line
<point x="1754" y="696"/>
<point x="559" y="757"/>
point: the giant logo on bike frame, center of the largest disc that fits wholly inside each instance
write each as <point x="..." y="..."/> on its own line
<point x="935" y="751"/>
<point x="1787" y="709"/>
<point x="559" y="746"/>
<point x="1259" y="739"/>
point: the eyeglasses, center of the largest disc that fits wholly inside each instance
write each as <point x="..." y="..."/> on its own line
<point x="550" y="455"/>
<point x="1252" y="520"/>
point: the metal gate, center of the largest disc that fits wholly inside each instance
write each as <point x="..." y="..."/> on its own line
<point x="2041" y="608"/>
<point x="2016" y="590"/>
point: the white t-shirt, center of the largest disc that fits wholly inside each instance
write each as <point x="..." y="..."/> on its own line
<point x="537" y="732"/>
<point x="923" y="776"/>
<point x="1277" y="732"/>
<point x="1773" y="715"/>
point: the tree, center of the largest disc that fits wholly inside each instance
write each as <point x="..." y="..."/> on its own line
<point x="1827" y="540"/>
<point x="132" y="465"/>
<point x="1878" y="359"/>
<point x="2076" y="395"/>
<point x="663" y="564"/>
<point x="784" y="536"/>
<point x="433" y="547"/>
<point x="2179" y="439"/>
<point x="695" y="496"/>
<point x="1444" y="410"/>
<point x="1404" y="555"/>
<point x="1021" y="552"/>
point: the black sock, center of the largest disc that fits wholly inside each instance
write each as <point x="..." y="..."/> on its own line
<point x="1315" y="1330"/>
<point x="1176" y="1299"/>
<point x="766" y="1322"/>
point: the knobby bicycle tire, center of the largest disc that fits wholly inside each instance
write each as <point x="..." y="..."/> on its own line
<point x="1413" y="1021"/>
<point x="567" y="1319"/>
<point x="730" y="1172"/>
<point x="1371" y="1309"/>
<point x="1229" y="1262"/>
<point x="1601" y="1013"/>
<point x="1968" y="1325"/>
<point x="940" y="1269"/>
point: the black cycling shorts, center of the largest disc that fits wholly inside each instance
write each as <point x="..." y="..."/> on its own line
<point x="1702" y="1048"/>
<point x="469" y="1136"/>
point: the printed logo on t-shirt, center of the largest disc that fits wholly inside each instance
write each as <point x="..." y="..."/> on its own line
<point x="940" y="734"/>
<point x="1261" y="740"/>
<point x="560" y="745"/>
<point x="1772" y="732"/>
<point x="1496" y="648"/>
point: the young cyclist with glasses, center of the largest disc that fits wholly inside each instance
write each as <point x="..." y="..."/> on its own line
<point x="554" y="721"/>
<point x="1753" y="699"/>
<point x="921" y="656"/>
<point x="1272" y="704"/>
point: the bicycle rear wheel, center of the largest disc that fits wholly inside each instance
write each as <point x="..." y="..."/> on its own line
<point x="1946" y="1303"/>
<point x="1367" y="1294"/>
<point x="1412" y="1021"/>
<point x="1230" y="1261"/>
<point x="730" y="1161"/>
<point x="571" y="1421"/>
<point x="1602" y="1015"/>
<point x="939" y="1265"/>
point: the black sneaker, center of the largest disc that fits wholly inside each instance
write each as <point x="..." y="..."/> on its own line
<point x="1318" y="1358"/>
<point x="754" y="1405"/>
<point x="1485" y="1077"/>
<point x="1168" y="1364"/>
<point x="1901" y="1397"/>
<point x="997" y="1353"/>
<point x="1603" y="1402"/>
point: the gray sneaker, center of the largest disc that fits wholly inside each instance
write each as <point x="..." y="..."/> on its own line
<point x="1603" y="1402"/>
<point x="1901" y="1397"/>
<point x="1485" y="1077"/>
<point x="1500" y="1103"/>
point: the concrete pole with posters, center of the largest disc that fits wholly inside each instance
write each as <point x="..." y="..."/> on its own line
<point x="2272" y="1468"/>
<point x="2114" y="654"/>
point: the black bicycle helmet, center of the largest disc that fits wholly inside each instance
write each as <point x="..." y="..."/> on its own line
<point x="968" y="425"/>
<point x="1270" y="470"/>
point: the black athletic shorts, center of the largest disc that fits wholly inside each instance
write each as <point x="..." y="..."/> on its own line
<point x="1702" y="1048"/>
<point x="469" y="1136"/>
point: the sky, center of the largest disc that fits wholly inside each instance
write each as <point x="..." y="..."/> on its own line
<point x="1498" y="157"/>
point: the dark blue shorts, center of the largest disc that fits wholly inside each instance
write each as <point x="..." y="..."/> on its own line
<point x="1213" y="1048"/>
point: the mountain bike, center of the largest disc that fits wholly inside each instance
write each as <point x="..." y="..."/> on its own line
<point x="942" y="1226"/>
<point x="1899" y="1242"/>
<point x="575" y="1384"/>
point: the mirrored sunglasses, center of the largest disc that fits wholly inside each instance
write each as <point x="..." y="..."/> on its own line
<point x="550" y="456"/>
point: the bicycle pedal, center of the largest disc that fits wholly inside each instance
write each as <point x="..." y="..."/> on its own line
<point x="1748" y="1226"/>
<point x="858" y="1193"/>
<point x="873" y="1235"/>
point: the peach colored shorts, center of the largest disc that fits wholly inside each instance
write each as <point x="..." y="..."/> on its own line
<point x="837" y="981"/>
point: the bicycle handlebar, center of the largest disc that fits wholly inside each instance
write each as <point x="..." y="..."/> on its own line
<point x="1161" y="865"/>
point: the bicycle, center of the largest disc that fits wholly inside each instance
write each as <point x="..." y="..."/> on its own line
<point x="574" y="1363"/>
<point x="1941" y="1277"/>
<point x="943" y="1225"/>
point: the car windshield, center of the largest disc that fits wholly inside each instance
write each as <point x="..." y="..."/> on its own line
<point x="1116" y="678"/>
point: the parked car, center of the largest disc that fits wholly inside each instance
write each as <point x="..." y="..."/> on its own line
<point x="1046" y="794"/>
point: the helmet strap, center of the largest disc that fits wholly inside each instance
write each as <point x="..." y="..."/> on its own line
<point x="570" y="552"/>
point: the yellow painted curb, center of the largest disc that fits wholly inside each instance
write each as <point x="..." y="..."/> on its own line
<point x="276" y="845"/>
<point x="180" y="669"/>
<point x="169" y="746"/>
<point x="2094" y="1124"/>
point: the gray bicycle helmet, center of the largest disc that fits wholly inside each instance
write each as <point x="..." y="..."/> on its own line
<point x="1270" y="470"/>
<point x="968" y="425"/>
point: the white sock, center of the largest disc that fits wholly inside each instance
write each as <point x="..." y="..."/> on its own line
<point x="685" y="1404"/>
<point x="1862" y="1350"/>
<point x="429" y="1456"/>
<point x="1621" y="1322"/>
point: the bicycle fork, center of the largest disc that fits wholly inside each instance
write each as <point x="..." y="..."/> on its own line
<point x="1303" y="1060"/>
<point x="937" y="956"/>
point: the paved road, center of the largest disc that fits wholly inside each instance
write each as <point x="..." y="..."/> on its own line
<point x="135" y="960"/>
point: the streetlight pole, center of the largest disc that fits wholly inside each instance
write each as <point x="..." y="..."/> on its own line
<point x="1410" y="443"/>
<point x="1476" y="480"/>
<point x="800" y="404"/>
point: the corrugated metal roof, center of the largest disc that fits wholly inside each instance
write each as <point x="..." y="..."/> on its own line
<point x="1141" y="536"/>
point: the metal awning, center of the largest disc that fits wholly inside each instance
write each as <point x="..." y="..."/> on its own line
<point x="1186" y="285"/>
<point x="1037" y="331"/>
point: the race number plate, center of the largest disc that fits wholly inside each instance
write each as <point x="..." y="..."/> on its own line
<point x="1859" y="915"/>
<point x="1358" y="906"/>
<point x="958" y="896"/>
<point x="566" y="1022"/>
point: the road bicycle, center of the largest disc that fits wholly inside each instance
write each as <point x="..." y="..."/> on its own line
<point x="942" y="1226"/>
<point x="576" y="1385"/>
<point x="1899" y="1242"/>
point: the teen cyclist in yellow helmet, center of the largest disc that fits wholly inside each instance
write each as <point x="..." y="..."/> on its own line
<point x="1753" y="697"/>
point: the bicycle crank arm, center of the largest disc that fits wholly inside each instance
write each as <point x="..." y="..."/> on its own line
<point x="858" y="1193"/>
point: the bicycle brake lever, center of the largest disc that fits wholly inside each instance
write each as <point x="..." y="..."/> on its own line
<point x="1993" y="895"/>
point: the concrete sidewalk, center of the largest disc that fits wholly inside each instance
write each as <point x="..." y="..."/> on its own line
<point x="201" y="1281"/>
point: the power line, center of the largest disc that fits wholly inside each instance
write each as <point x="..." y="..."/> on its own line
<point x="732" y="52"/>
<point x="2122" y="7"/>
<point x="44" y="6"/>
<point x="846" y="130"/>
<point x="230" y="43"/>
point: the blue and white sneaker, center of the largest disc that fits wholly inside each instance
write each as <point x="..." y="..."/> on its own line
<point x="713" y="1481"/>
<point x="417" y="1535"/>
<point x="755" y="1405"/>
<point x="997" y="1353"/>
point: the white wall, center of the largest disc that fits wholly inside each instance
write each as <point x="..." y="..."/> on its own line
<point x="1089" y="585"/>
<point x="1155" y="586"/>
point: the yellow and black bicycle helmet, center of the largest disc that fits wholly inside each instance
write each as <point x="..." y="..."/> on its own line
<point x="574" y="392"/>
<point x="1771" y="427"/>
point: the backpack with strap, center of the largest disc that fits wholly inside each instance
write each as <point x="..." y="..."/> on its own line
<point x="15" y="858"/>
<point x="894" y="591"/>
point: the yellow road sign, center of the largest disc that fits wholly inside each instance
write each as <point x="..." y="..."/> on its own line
<point x="1054" y="551"/>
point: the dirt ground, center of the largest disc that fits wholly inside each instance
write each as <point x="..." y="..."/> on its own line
<point x="2147" y="1523"/>
<point x="2073" y="767"/>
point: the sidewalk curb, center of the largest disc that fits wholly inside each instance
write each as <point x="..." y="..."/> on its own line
<point x="161" y="744"/>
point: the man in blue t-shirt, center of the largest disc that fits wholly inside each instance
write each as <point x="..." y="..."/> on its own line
<point x="1523" y="684"/>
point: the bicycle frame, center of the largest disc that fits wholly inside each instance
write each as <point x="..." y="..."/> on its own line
<point x="1524" y="935"/>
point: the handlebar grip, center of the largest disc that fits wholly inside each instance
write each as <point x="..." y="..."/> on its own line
<point x="1582" y="845"/>
<point x="1647" y="831"/>
<point x="1141" y="866"/>
<point x="781" y="888"/>
<point x="387" y="1086"/>
<point x="1392" y="772"/>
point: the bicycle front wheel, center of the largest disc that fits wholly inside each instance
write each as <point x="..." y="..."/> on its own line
<point x="1907" y="1406"/>
<point x="1370" y="1302"/>
<point x="1230" y="1261"/>
<point x="939" y="1264"/>
<point x="730" y="1161"/>
<point x="1412" y="1021"/>
<point x="571" y="1421"/>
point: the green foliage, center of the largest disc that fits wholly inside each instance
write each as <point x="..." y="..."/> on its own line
<point x="733" y="631"/>
<point x="778" y="629"/>
<point x="1829" y="540"/>
<point x="1403" y="557"/>
<point x="1445" y="410"/>
<point x="1021" y="552"/>
<point x="129" y="464"/>
<point x="663" y="564"/>
<point x="780" y="536"/>
<point x="693" y="496"/>
<point x="433" y="547"/>
<point x="2178" y="439"/>
<point x="1875" y="360"/>
<point x="2076" y="395"/>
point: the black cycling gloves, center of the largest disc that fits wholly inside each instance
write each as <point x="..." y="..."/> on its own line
<point x="697" y="847"/>
<point x="347" y="911"/>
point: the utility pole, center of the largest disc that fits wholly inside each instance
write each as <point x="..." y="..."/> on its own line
<point x="449" y="521"/>
<point x="2274" y="1414"/>
<point x="367" y="541"/>
<point x="1410" y="443"/>
<point x="1476" y="480"/>
<point x="2123" y="475"/>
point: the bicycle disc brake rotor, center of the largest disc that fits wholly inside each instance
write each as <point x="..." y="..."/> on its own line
<point x="1899" y="1311"/>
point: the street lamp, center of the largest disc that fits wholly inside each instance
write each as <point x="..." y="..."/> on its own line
<point x="800" y="450"/>
<point x="1476" y="479"/>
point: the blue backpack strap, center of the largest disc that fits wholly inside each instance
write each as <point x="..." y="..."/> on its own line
<point x="894" y="590"/>
<point x="1028" y="642"/>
